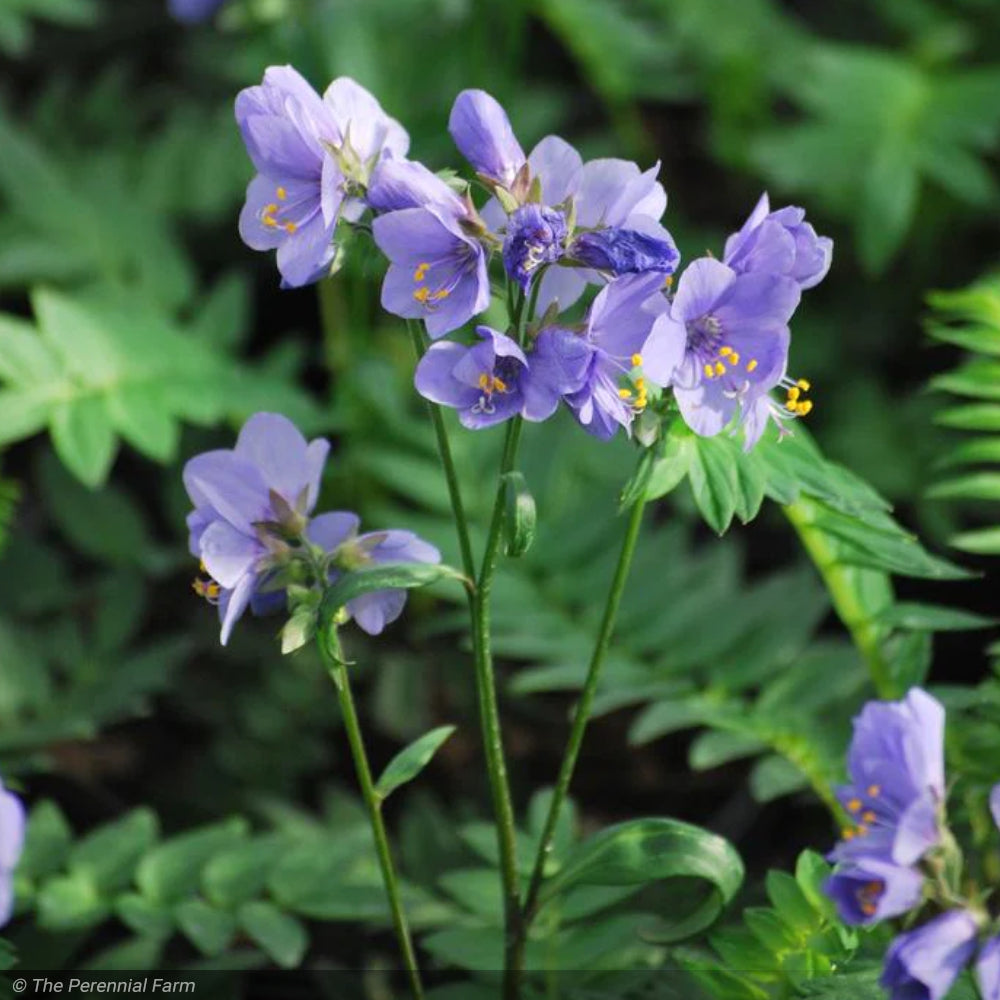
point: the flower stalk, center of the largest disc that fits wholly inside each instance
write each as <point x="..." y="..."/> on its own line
<point x="333" y="658"/>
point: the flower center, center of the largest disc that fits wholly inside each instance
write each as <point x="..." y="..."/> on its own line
<point x="706" y="338"/>
<point x="863" y="813"/>
<point x="868" y="896"/>
<point x="271" y="215"/>
<point x="501" y="379"/>
<point x="637" y="393"/>
<point x="795" y="404"/>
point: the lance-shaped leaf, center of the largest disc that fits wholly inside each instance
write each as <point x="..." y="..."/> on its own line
<point x="650" y="850"/>
<point x="411" y="760"/>
<point x="382" y="576"/>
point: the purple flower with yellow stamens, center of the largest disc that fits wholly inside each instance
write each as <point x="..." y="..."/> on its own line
<point x="311" y="154"/>
<point x="337" y="533"/>
<point x="12" y="826"/>
<point x="250" y="503"/>
<point x="437" y="268"/>
<point x="924" y="963"/>
<point x="614" y="354"/>
<point x="896" y="795"/>
<point x="780" y="242"/>
<point x="492" y="381"/>
<point x="988" y="967"/>
<point x="871" y="890"/>
<point x="735" y="337"/>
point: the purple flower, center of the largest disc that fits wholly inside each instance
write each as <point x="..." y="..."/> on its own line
<point x="922" y="964"/>
<point x="780" y="242"/>
<point x="193" y="11"/>
<point x="988" y="969"/>
<point x="995" y="804"/>
<point x="535" y="237"/>
<point x="269" y="480"/>
<point x="482" y="131"/>
<point x="337" y="533"/>
<point x="613" y="355"/>
<point x="491" y="381"/>
<point x="896" y="766"/>
<point x="871" y="890"/>
<point x="309" y="154"/>
<point x="437" y="271"/>
<point x="12" y="824"/>
<point x="625" y="251"/>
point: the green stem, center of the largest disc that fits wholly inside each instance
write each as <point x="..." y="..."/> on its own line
<point x="336" y="322"/>
<point x="329" y="644"/>
<point x="448" y="465"/>
<point x="490" y="720"/>
<point x="582" y="715"/>
<point x="839" y="579"/>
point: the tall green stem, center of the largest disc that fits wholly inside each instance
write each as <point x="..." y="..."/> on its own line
<point x="582" y="715"/>
<point x="840" y="581"/>
<point x="329" y="644"/>
<point x="448" y="465"/>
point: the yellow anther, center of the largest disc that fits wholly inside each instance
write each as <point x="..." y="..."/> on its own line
<point x="269" y="220"/>
<point x="441" y="293"/>
<point x="751" y="364"/>
<point x="874" y="791"/>
<point x="724" y="352"/>
<point x="281" y="193"/>
<point x="484" y="382"/>
<point x="624" y="394"/>
<point x="793" y="395"/>
<point x="804" y="384"/>
<point x="421" y="294"/>
<point x="868" y="816"/>
<point x="861" y="830"/>
<point x="421" y="272"/>
<point x="805" y="407"/>
<point x="636" y="360"/>
<point x="499" y="384"/>
<point x="868" y="909"/>
<point x="847" y="833"/>
<point x="720" y="368"/>
<point x="271" y="209"/>
<point x="735" y="359"/>
<point x="640" y="384"/>
<point x="291" y="227"/>
<point x="854" y="805"/>
<point x="668" y="281"/>
<point x="709" y="371"/>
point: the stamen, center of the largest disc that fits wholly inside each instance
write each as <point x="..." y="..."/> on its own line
<point x="751" y="364"/>
<point x="720" y="368"/>
<point x="290" y="227"/>
<point x="735" y="359"/>
<point x="854" y="805"/>
<point x="281" y="193"/>
<point x="636" y="360"/>
<point x="624" y="394"/>
<point x="874" y="791"/>
<point x="422" y="294"/>
<point x="421" y="272"/>
<point x="724" y="352"/>
<point x="868" y="816"/>
<point x="847" y="833"/>
<point x="484" y="382"/>
<point x="804" y="384"/>
<point x="499" y="384"/>
<point x="709" y="371"/>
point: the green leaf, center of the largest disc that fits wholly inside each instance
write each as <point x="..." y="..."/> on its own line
<point x="520" y="515"/>
<point x="931" y="618"/>
<point x="672" y="466"/>
<point x="71" y="902"/>
<point x="790" y="901"/>
<point x="47" y="841"/>
<point x="210" y="930"/>
<point x="648" y="850"/>
<point x="984" y="541"/>
<point x="411" y="760"/>
<point x="143" y="916"/>
<point x="974" y="486"/>
<point x="714" y="481"/>
<point x="173" y="870"/>
<point x="110" y="854"/>
<point x="237" y="875"/>
<point x="971" y="417"/>
<point x="280" y="935"/>
<point x="83" y="437"/>
<point x="384" y="576"/>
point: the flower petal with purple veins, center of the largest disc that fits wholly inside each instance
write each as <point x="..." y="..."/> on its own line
<point x="228" y="554"/>
<point x="333" y="528"/>
<point x="275" y="446"/>
<point x="362" y="121"/>
<point x="398" y="184"/>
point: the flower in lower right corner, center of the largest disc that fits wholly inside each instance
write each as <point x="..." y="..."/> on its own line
<point x="12" y="825"/>
<point x="988" y="969"/>
<point x="924" y="963"/>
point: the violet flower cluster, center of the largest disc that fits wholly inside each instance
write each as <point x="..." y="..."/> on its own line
<point x="253" y="530"/>
<point x="557" y="225"/>
<point x="12" y="824"/>
<point x="897" y="854"/>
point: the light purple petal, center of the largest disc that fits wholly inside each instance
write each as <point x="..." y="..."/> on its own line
<point x="12" y="825"/>
<point x="562" y="285"/>
<point x="705" y="409"/>
<point x="469" y="298"/>
<point x="482" y="132"/>
<point x="332" y="529"/>
<point x="917" y="831"/>
<point x="435" y="379"/>
<point x="557" y="165"/>
<point x="412" y="236"/>
<point x="232" y="604"/>
<point x="663" y="350"/>
<point x="702" y="284"/>
<point x="623" y="314"/>
<point x="613" y="190"/>
<point x="503" y="346"/>
<point x="399" y="184"/>
<point x="995" y="804"/>
<point x="253" y="231"/>
<point x="273" y="444"/>
<point x="401" y="546"/>
<point x="372" y="612"/>
<point x="988" y="968"/>
<point x="925" y="962"/>
<point x="307" y="254"/>
<point x="362" y="122"/>
<point x="232" y="486"/>
<point x="755" y="300"/>
<point x="228" y="554"/>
